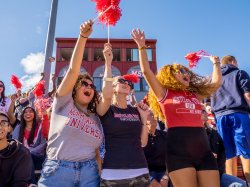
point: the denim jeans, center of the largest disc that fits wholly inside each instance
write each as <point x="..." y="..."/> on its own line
<point x="231" y="181"/>
<point x="157" y="175"/>
<point x="58" y="173"/>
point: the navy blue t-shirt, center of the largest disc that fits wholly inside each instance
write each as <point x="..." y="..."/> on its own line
<point x="122" y="130"/>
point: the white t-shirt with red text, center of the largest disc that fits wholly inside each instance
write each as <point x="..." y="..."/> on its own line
<point x="73" y="136"/>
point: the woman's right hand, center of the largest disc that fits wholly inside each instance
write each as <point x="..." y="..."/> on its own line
<point x="86" y="28"/>
<point x="107" y="53"/>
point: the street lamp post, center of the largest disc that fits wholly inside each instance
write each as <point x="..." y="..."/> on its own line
<point x="50" y="43"/>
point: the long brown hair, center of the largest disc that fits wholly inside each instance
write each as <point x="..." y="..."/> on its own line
<point x="92" y="105"/>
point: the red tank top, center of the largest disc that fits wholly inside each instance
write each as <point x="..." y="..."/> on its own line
<point x="181" y="109"/>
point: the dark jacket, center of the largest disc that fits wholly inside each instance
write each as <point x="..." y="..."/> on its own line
<point x="229" y="98"/>
<point x="217" y="147"/>
<point x="15" y="165"/>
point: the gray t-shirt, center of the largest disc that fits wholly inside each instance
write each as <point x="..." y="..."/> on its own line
<point x="73" y="136"/>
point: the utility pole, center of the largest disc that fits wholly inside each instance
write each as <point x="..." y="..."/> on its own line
<point x="50" y="43"/>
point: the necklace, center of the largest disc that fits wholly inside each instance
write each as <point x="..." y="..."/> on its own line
<point x="120" y="106"/>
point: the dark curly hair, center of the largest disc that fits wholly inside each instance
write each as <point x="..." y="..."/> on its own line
<point x="2" y="98"/>
<point x="92" y="105"/>
<point x="23" y="125"/>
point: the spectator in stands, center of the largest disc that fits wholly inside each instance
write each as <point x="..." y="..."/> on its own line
<point x="156" y="152"/>
<point x="20" y="103"/>
<point x="125" y="133"/>
<point x="4" y="101"/>
<point x="75" y="130"/>
<point x="174" y="98"/>
<point x="15" y="159"/>
<point x="29" y="133"/>
<point x="231" y="105"/>
<point x="218" y="150"/>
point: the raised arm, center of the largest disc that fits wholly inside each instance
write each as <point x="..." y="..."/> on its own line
<point x="11" y="109"/>
<point x="71" y="76"/>
<point x="216" y="76"/>
<point x="107" y="90"/>
<point x="143" y="110"/>
<point x="139" y="38"/>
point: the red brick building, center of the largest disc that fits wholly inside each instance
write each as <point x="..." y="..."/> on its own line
<point x="125" y="60"/>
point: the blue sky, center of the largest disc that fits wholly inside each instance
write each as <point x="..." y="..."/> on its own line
<point x="219" y="27"/>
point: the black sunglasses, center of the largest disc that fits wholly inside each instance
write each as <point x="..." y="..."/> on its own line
<point x="123" y="81"/>
<point x="1" y="86"/>
<point x="87" y="85"/>
<point x="184" y="71"/>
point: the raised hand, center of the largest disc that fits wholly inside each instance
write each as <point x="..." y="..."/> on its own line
<point x="143" y="110"/>
<point x="139" y="37"/>
<point x="107" y="53"/>
<point x="86" y="28"/>
<point x="215" y="59"/>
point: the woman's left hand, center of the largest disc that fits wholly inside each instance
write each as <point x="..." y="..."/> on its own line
<point x="107" y="53"/>
<point x="143" y="110"/>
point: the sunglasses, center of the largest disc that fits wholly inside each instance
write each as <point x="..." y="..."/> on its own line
<point x="87" y="85"/>
<point x="123" y="81"/>
<point x="4" y="123"/>
<point x="184" y="71"/>
<point x="1" y="86"/>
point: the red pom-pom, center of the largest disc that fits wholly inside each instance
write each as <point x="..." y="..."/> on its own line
<point x="194" y="57"/>
<point x="113" y="14"/>
<point x="131" y="77"/>
<point x="16" y="82"/>
<point x="39" y="88"/>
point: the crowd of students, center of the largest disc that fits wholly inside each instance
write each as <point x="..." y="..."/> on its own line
<point x="79" y="137"/>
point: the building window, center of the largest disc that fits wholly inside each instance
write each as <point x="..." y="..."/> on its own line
<point x="141" y="86"/>
<point x="98" y="83"/>
<point x="65" y="54"/>
<point x="85" y="55"/>
<point x="116" y="55"/>
<point x="145" y="87"/>
<point x="133" y="55"/>
<point x="98" y="55"/>
<point x="149" y="53"/>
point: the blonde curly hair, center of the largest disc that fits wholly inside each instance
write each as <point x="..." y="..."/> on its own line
<point x="198" y="85"/>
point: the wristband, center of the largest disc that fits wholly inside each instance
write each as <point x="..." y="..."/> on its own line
<point x="216" y="63"/>
<point x="83" y="36"/>
<point x="142" y="48"/>
<point x="108" y="79"/>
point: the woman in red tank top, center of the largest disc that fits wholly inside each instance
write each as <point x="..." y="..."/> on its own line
<point x="174" y="98"/>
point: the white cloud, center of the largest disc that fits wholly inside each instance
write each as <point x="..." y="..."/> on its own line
<point x="33" y="67"/>
<point x="39" y="30"/>
<point x="33" y="63"/>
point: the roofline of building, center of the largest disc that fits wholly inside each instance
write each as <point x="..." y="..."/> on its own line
<point x="102" y="40"/>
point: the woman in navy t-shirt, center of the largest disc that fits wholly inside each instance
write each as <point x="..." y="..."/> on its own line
<point x="125" y="134"/>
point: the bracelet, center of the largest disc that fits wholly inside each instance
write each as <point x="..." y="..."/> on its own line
<point x="142" y="48"/>
<point x="83" y="36"/>
<point x="108" y="79"/>
<point x="216" y="63"/>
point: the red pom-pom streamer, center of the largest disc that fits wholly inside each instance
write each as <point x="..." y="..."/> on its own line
<point x="39" y="88"/>
<point x="131" y="77"/>
<point x="194" y="57"/>
<point x="16" y="82"/>
<point x="109" y="11"/>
